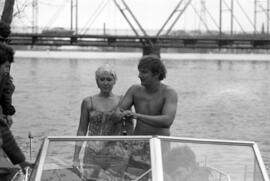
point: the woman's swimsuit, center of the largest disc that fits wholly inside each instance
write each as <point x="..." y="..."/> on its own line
<point x="105" y="158"/>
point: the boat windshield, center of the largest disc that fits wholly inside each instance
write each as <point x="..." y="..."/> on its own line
<point x="146" y="158"/>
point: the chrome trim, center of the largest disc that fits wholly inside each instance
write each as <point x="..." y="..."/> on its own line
<point x="156" y="159"/>
<point x="86" y="138"/>
<point x="251" y="144"/>
<point x="42" y="159"/>
<point x="207" y="141"/>
<point x="260" y="162"/>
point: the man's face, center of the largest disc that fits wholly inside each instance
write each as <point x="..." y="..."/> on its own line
<point x="146" y="76"/>
<point x="105" y="82"/>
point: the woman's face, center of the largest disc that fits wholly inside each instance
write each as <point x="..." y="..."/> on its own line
<point x="105" y="82"/>
<point x="4" y="68"/>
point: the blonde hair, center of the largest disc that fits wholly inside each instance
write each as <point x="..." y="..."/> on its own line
<point x="106" y="68"/>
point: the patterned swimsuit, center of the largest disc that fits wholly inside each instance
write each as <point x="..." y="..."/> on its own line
<point x="105" y="159"/>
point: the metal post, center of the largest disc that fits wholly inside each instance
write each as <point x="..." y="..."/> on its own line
<point x="33" y="16"/>
<point x="104" y="28"/>
<point x="36" y="16"/>
<point x="181" y="12"/>
<point x="134" y="18"/>
<point x="126" y="18"/>
<point x="71" y="15"/>
<point x="267" y="16"/>
<point x="220" y="17"/>
<point x="202" y="14"/>
<point x="232" y="15"/>
<point x="166" y="22"/>
<point x="30" y="136"/>
<point x="76" y="17"/>
<point x="255" y="16"/>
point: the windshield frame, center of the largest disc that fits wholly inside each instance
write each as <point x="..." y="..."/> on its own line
<point x="155" y="150"/>
<point x="251" y="144"/>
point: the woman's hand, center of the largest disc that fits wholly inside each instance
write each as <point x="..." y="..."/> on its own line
<point x="117" y="116"/>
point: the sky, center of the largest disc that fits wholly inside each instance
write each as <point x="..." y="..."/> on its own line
<point x="151" y="14"/>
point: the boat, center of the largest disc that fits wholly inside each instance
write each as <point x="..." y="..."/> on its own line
<point x="155" y="158"/>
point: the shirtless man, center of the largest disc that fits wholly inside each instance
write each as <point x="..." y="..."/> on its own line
<point x="155" y="103"/>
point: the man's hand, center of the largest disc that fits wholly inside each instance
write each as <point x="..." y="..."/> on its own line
<point x="26" y="164"/>
<point x="129" y="114"/>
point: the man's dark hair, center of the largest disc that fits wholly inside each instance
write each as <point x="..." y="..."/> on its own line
<point x="154" y="64"/>
<point x="6" y="54"/>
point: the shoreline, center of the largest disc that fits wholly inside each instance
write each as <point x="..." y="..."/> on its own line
<point x="125" y="55"/>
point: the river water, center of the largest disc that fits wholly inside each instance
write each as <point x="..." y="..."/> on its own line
<point x="220" y="96"/>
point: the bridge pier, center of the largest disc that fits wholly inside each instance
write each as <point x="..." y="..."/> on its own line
<point x="151" y="50"/>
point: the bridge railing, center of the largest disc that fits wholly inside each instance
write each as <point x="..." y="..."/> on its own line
<point x="92" y="31"/>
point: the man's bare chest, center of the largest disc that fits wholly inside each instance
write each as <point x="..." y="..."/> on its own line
<point x="149" y="103"/>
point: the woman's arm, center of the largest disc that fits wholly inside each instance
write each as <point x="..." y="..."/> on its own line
<point x="83" y="125"/>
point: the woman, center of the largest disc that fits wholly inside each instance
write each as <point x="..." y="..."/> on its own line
<point x="100" y="115"/>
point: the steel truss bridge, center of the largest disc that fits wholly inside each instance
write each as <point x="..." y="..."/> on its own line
<point x="164" y="38"/>
<point x="204" y="42"/>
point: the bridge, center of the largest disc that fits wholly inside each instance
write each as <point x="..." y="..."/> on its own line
<point x="223" y="29"/>
<point x="203" y="42"/>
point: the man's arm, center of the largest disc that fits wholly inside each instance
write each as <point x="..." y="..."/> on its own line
<point x="11" y="148"/>
<point x="10" y="145"/>
<point x="127" y="101"/>
<point x="166" y="118"/>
